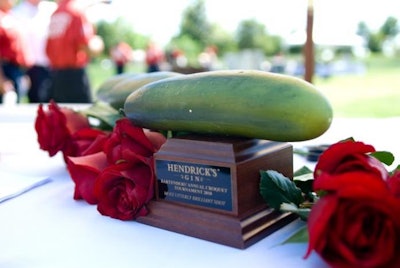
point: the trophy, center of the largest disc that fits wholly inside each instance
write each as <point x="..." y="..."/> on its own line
<point x="208" y="187"/>
<point x="240" y="123"/>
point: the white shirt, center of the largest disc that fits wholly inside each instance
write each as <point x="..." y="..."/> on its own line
<point x="35" y="21"/>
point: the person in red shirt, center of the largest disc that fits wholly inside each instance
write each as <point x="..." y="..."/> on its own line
<point x="13" y="57"/>
<point x="121" y="54"/>
<point x="68" y="49"/>
<point x="154" y="57"/>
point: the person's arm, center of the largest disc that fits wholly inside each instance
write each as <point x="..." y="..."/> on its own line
<point x="95" y="46"/>
<point x="89" y="42"/>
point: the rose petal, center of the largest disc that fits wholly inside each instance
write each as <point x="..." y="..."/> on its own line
<point x="84" y="171"/>
<point x="156" y="138"/>
<point x="51" y="130"/>
<point x="318" y="223"/>
<point x="394" y="184"/>
<point x="123" y="189"/>
<point x="127" y="141"/>
<point x="55" y="126"/>
<point x="336" y="182"/>
<point x="85" y="141"/>
<point x="331" y="157"/>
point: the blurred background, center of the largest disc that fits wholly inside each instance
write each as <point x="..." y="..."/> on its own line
<point x="355" y="44"/>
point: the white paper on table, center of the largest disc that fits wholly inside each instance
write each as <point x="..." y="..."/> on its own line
<point x="13" y="185"/>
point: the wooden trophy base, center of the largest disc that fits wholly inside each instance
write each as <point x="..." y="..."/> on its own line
<point x="208" y="188"/>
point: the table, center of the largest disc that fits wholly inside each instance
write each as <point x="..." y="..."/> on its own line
<point x="45" y="227"/>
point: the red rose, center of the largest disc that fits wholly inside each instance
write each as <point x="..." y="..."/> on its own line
<point x="55" y="126"/>
<point x="127" y="141"/>
<point x="85" y="141"/>
<point x="356" y="224"/>
<point x="349" y="156"/>
<point x="84" y="171"/>
<point x="156" y="138"/>
<point x="394" y="183"/>
<point x="124" y="189"/>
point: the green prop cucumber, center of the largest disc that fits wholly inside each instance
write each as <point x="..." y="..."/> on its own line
<point x="245" y="103"/>
<point x="116" y="94"/>
<point x="105" y="87"/>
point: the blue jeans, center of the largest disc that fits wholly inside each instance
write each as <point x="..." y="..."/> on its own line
<point x="70" y="86"/>
<point x="14" y="73"/>
<point x="40" y="83"/>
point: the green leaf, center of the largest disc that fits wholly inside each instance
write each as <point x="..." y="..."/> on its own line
<point x="106" y="114"/>
<point x="303" y="213"/>
<point x="305" y="183"/>
<point x="396" y="169"/>
<point x="302" y="171"/>
<point x="384" y="156"/>
<point x="276" y="189"/>
<point x="301" y="236"/>
<point x="304" y="178"/>
<point x="300" y="152"/>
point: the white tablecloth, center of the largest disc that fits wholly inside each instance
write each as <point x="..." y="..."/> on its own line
<point x="45" y="227"/>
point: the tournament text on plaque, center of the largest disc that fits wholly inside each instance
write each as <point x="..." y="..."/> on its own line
<point x="208" y="187"/>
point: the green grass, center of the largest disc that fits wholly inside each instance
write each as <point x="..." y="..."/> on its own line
<point x="373" y="94"/>
<point x="99" y="71"/>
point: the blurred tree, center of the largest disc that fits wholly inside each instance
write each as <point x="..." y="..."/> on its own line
<point x="374" y="40"/>
<point x="273" y="45"/>
<point x="389" y="28"/>
<point x="196" y="33"/>
<point x="190" y="47"/>
<point x="194" y="23"/>
<point x="119" y="30"/>
<point x="251" y="34"/>
<point x="363" y="30"/>
<point x="223" y="40"/>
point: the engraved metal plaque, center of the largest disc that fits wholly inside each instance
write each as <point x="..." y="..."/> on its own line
<point x="195" y="184"/>
<point x="208" y="187"/>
